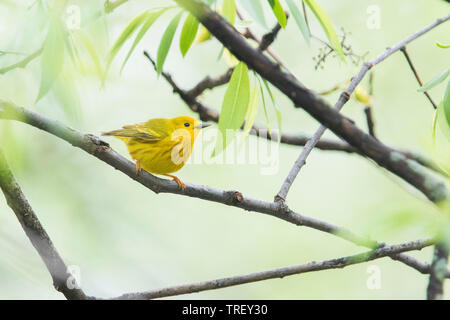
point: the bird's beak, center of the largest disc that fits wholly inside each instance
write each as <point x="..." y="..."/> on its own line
<point x="202" y="125"/>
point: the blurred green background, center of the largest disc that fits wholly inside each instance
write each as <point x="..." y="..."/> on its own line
<point x="125" y="238"/>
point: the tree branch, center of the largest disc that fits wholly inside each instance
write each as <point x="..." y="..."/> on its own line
<point x="37" y="234"/>
<point x="101" y="150"/>
<point x="411" y="65"/>
<point x="337" y="263"/>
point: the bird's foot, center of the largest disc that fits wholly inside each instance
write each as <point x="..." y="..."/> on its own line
<point x="181" y="184"/>
<point x="138" y="167"/>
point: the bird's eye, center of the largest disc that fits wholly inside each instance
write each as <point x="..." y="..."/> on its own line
<point x="187" y="124"/>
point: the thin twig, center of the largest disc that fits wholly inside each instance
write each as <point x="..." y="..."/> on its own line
<point x="337" y="263"/>
<point x="210" y="83"/>
<point x="368" y="109"/>
<point x="37" y="234"/>
<point x="411" y="65"/>
<point x="101" y="150"/>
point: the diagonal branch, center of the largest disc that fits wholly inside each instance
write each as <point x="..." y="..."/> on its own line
<point x="37" y="234"/>
<point x="413" y="69"/>
<point x="337" y="263"/>
<point x="101" y="150"/>
<point x="300" y="162"/>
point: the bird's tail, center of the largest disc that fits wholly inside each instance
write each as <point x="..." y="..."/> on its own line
<point x="126" y="133"/>
<point x="112" y="133"/>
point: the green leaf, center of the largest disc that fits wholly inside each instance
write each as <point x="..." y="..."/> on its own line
<point x="229" y="10"/>
<point x="327" y="26"/>
<point x="188" y="33"/>
<point x="266" y="114"/>
<point x="166" y="42"/>
<point x="443" y="46"/>
<point x="234" y="106"/>
<point x="148" y="22"/>
<point x="300" y="20"/>
<point x="278" y="11"/>
<point x="255" y="10"/>
<point x="435" y="81"/>
<point x="124" y="36"/>
<point x="252" y="110"/>
<point x="275" y="107"/>
<point x="52" y="59"/>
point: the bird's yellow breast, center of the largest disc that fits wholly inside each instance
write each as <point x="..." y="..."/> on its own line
<point x="160" y="157"/>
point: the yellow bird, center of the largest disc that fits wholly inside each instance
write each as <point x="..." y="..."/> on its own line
<point x="160" y="146"/>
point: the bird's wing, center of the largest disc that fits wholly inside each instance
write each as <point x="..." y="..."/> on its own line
<point x="135" y="131"/>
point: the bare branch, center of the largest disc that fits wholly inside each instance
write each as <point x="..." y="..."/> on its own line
<point x="411" y="65"/>
<point x="37" y="234"/>
<point x="337" y="263"/>
<point x="209" y="83"/>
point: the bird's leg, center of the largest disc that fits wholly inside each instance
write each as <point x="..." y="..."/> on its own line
<point x="180" y="183"/>
<point x="138" y="167"/>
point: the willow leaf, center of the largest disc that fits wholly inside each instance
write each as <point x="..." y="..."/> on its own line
<point x="234" y="106"/>
<point x="166" y="42"/>
<point x="278" y="11"/>
<point x="188" y="33"/>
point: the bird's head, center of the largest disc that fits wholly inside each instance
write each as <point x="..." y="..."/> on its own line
<point x="190" y="124"/>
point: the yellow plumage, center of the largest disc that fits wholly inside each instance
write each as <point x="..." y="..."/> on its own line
<point x="160" y="146"/>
